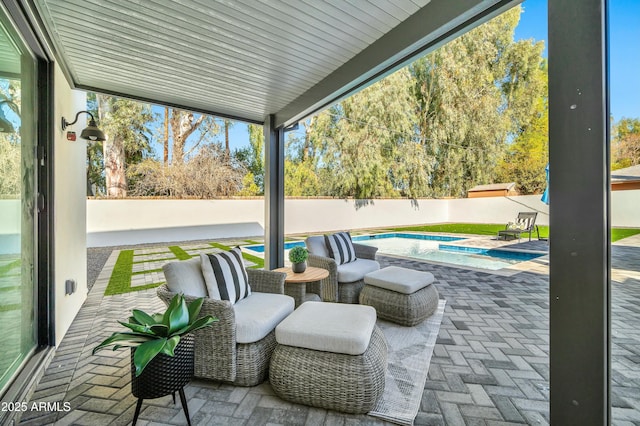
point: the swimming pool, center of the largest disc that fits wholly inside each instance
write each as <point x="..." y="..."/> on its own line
<point x="433" y="248"/>
<point x="290" y="244"/>
<point x="430" y="250"/>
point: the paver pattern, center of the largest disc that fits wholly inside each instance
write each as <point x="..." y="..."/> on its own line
<point x="490" y="365"/>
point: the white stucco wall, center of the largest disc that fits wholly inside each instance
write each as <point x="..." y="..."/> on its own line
<point x="625" y="208"/>
<point x="70" y="216"/>
<point x="128" y="222"/>
<point x="319" y="215"/>
<point x="496" y="209"/>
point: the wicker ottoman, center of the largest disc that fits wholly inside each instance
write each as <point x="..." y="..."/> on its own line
<point x="330" y="355"/>
<point x="400" y="295"/>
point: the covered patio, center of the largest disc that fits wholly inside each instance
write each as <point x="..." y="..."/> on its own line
<point x="490" y="364"/>
<point x="277" y="63"/>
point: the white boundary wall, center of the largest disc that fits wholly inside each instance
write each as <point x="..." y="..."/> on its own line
<point x="132" y="221"/>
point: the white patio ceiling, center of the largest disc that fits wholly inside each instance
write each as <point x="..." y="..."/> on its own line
<point x="245" y="59"/>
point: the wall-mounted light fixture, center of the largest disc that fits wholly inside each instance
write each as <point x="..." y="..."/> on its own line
<point x="5" y="124"/>
<point x="91" y="132"/>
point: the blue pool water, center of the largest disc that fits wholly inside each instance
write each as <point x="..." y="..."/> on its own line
<point x="431" y="247"/>
<point x="291" y="244"/>
<point x="474" y="257"/>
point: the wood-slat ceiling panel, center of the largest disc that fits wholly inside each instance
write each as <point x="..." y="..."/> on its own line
<point x="244" y="58"/>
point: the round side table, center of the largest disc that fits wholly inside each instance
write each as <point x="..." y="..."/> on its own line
<point x="295" y="285"/>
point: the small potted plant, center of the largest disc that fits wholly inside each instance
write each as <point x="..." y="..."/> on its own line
<point x="162" y="348"/>
<point x="298" y="256"/>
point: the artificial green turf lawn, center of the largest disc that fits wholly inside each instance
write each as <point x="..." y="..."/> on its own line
<point x="620" y="233"/>
<point x="120" y="280"/>
<point x="492" y="229"/>
<point x="259" y="263"/>
<point x="179" y="253"/>
<point x="4" y="269"/>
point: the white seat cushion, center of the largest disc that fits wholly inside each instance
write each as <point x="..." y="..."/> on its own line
<point x="258" y="314"/>
<point x="401" y="280"/>
<point x="317" y="246"/>
<point x="185" y="277"/>
<point x="356" y="270"/>
<point x="328" y="327"/>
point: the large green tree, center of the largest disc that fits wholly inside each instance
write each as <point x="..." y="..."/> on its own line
<point x="252" y="158"/>
<point x="625" y="143"/>
<point x="356" y="148"/>
<point x="474" y="94"/>
<point x="525" y="159"/>
<point x="125" y="122"/>
<point x="435" y="128"/>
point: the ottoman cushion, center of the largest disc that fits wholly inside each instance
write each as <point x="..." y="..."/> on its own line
<point x="401" y="280"/>
<point x="328" y="327"/>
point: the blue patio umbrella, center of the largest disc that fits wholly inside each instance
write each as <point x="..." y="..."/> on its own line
<point x="545" y="195"/>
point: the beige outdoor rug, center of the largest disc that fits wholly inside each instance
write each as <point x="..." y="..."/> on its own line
<point x="410" y="350"/>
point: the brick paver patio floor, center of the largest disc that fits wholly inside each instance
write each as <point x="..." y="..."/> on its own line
<point x="490" y="365"/>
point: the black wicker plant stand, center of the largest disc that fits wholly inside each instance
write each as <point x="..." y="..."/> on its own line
<point x="165" y="375"/>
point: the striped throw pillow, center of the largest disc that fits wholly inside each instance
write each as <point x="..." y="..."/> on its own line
<point x="340" y="247"/>
<point x="225" y="275"/>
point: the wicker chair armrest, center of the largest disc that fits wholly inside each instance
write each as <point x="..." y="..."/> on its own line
<point x="266" y="281"/>
<point x="215" y="348"/>
<point x="329" y="285"/>
<point x="365" y="252"/>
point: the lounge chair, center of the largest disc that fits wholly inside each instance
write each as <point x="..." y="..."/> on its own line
<point x="345" y="281"/>
<point x="525" y="224"/>
<point x="238" y="347"/>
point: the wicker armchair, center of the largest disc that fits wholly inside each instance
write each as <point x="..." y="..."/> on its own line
<point x="218" y="356"/>
<point x="332" y="289"/>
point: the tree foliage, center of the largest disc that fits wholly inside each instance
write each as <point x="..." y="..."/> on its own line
<point x="9" y="166"/>
<point x="208" y="174"/>
<point x="473" y="95"/>
<point x="10" y="143"/>
<point x="125" y="122"/>
<point x="434" y="129"/>
<point x="252" y="158"/>
<point x="625" y="143"/>
<point x="525" y="160"/>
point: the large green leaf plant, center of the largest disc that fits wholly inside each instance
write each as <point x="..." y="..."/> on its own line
<point x="158" y="333"/>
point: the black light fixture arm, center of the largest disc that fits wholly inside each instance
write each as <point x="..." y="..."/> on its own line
<point x="66" y="124"/>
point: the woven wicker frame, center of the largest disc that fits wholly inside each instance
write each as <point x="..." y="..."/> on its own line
<point x="331" y="289"/>
<point x="217" y="355"/>
<point x="252" y="360"/>
<point x="403" y="309"/>
<point x="346" y="383"/>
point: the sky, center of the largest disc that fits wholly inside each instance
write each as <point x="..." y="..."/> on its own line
<point x="624" y="50"/>
<point x="624" y="33"/>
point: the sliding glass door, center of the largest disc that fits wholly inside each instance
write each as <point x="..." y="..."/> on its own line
<point x="17" y="202"/>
